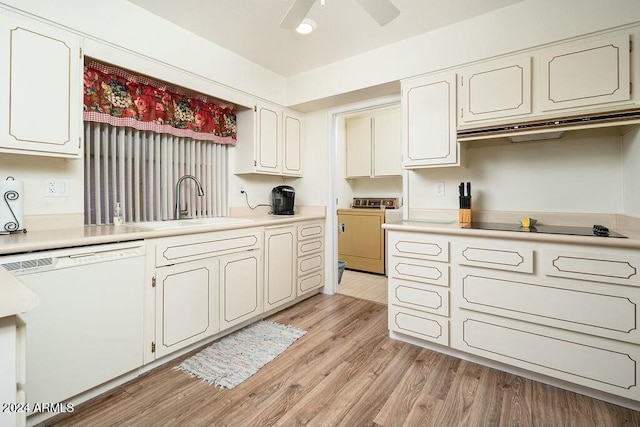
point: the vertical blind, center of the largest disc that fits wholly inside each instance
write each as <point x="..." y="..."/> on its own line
<point x="140" y="170"/>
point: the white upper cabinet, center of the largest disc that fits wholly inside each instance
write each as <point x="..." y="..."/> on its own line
<point x="495" y="90"/>
<point x="269" y="141"/>
<point x="429" y="121"/>
<point x="291" y="144"/>
<point x="387" y="143"/>
<point x="268" y="137"/>
<point x="359" y="147"/>
<point x="374" y="144"/>
<point x="585" y="74"/>
<point x="41" y="96"/>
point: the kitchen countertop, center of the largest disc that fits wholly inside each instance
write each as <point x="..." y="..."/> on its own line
<point x="15" y="298"/>
<point x="91" y="235"/>
<point x="454" y="228"/>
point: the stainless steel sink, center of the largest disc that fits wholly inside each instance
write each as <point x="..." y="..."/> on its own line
<point x="186" y="223"/>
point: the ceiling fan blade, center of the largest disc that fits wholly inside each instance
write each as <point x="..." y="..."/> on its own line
<point x="297" y="12"/>
<point x="383" y="11"/>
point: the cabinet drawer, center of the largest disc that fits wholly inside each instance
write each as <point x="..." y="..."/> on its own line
<point x="599" y="363"/>
<point x="598" y="267"/>
<point x="418" y="324"/>
<point x="416" y="270"/>
<point x="310" y="263"/>
<point x="310" y="230"/>
<point x="609" y="311"/>
<point x="307" y="247"/>
<point x="308" y="283"/>
<point x="418" y="245"/>
<point x="481" y="254"/>
<point x="419" y="296"/>
<point x="173" y="250"/>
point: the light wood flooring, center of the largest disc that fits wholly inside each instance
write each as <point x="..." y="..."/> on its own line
<point x="371" y="287"/>
<point x="347" y="371"/>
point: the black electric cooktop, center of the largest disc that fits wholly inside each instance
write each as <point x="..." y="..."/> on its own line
<point x="596" y="231"/>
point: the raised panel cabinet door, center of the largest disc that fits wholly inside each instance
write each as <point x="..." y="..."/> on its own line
<point x="41" y="99"/>
<point x="358" y="146"/>
<point x="429" y="122"/>
<point x="602" y="364"/>
<point x="292" y="145"/>
<point x="240" y="287"/>
<point x="268" y="139"/>
<point x="186" y="304"/>
<point x="591" y="73"/>
<point x="279" y="266"/>
<point x="387" y="143"/>
<point x="495" y="90"/>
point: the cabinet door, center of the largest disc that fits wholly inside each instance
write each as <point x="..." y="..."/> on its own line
<point x="358" y="147"/>
<point x="41" y="77"/>
<point x="240" y="287"/>
<point x="292" y="145"/>
<point x="387" y="143"/>
<point x="495" y="90"/>
<point x="587" y="74"/>
<point x="186" y="304"/>
<point x="268" y="139"/>
<point x="429" y="122"/>
<point x="279" y="266"/>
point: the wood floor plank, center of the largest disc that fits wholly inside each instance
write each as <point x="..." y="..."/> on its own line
<point x="347" y="371"/>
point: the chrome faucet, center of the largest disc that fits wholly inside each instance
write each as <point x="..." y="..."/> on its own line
<point x="179" y="213"/>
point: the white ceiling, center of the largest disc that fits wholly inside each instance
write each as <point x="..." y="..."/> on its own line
<point x="251" y="28"/>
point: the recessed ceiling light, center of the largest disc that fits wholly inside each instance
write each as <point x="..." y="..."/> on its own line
<point x="307" y="26"/>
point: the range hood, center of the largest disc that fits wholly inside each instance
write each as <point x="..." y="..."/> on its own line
<point x="551" y="128"/>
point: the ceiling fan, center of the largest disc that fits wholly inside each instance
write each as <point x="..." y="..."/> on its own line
<point x="382" y="11"/>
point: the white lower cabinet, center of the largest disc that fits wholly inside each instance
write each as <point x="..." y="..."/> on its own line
<point x="240" y="287"/>
<point x="310" y="264"/>
<point x="279" y="267"/>
<point x="418" y="287"/>
<point x="186" y="304"/>
<point x="602" y="364"/>
<point x="565" y="311"/>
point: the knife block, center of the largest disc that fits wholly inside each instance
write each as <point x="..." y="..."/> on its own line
<point x="464" y="216"/>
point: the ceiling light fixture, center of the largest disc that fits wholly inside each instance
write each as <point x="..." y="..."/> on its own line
<point x="307" y="26"/>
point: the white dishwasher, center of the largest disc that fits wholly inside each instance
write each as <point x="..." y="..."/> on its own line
<point x="88" y="328"/>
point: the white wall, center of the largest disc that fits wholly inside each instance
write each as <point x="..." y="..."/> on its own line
<point x="631" y="169"/>
<point x="579" y="173"/>
<point x="517" y="27"/>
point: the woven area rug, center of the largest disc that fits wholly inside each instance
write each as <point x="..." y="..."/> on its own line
<point x="236" y="357"/>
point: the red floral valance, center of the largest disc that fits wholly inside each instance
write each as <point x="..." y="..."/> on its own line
<point x="115" y="96"/>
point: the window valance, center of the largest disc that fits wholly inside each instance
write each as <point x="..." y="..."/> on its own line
<point x="120" y="98"/>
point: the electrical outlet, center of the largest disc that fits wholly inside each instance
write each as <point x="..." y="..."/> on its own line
<point x="438" y="189"/>
<point x="56" y="187"/>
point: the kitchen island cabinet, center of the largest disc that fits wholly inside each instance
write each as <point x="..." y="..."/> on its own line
<point x="558" y="312"/>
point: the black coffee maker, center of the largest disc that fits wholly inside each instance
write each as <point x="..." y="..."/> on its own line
<point x="282" y="198"/>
